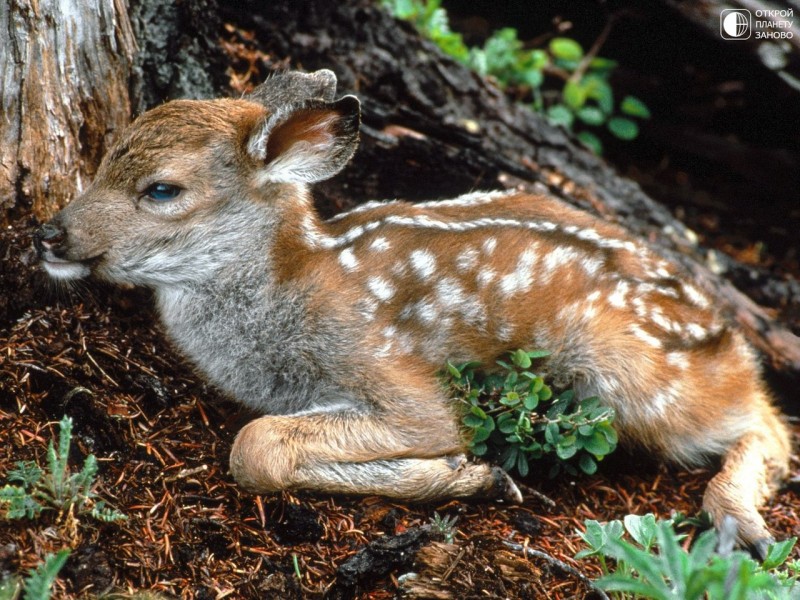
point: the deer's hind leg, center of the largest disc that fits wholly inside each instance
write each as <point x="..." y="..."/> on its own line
<point x="751" y="472"/>
<point x="350" y="453"/>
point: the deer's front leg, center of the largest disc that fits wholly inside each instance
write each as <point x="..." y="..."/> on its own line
<point x="349" y="453"/>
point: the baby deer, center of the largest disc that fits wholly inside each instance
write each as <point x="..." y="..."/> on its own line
<point x="335" y="330"/>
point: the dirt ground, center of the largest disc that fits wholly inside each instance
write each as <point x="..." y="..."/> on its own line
<point x="162" y="439"/>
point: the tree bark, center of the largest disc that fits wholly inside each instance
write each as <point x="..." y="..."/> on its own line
<point x="64" y="88"/>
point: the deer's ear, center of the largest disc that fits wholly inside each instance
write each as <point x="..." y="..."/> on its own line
<point x="306" y="143"/>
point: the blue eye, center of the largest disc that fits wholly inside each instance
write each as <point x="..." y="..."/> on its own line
<point x="162" y="192"/>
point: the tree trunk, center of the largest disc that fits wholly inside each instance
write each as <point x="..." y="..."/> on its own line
<point x="64" y="86"/>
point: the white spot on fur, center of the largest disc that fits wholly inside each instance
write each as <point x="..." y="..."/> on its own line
<point x="348" y="259"/>
<point x="521" y="279"/>
<point x="467" y="260"/>
<point x="591" y="265"/>
<point x="678" y="359"/>
<point x="380" y="244"/>
<point x="663" y="400"/>
<point x="423" y="263"/>
<point x="485" y="277"/>
<point x="645" y="337"/>
<point x="698" y="332"/>
<point x="559" y="257"/>
<point x="426" y="311"/>
<point x="618" y="298"/>
<point x="380" y="288"/>
<point x="449" y="293"/>
<point x="695" y="296"/>
<point x="489" y="245"/>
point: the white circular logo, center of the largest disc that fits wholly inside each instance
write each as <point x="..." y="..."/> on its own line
<point x="735" y="24"/>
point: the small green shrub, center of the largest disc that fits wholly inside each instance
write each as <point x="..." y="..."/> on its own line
<point x="444" y="526"/>
<point x="572" y="88"/>
<point x="39" y="582"/>
<point x="513" y="416"/>
<point x="652" y="563"/>
<point x="55" y="487"/>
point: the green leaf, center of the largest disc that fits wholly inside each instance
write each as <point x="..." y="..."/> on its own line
<point x="587" y="464"/>
<point x="522" y="464"/>
<point x="455" y="373"/>
<point x="642" y="529"/>
<point x="27" y="472"/>
<point x="778" y="553"/>
<point x="566" y="49"/>
<point x="591" y="141"/>
<point x="631" y="105"/>
<point x="510" y="458"/>
<point x="601" y="64"/>
<point x="20" y="503"/>
<point x="531" y="401"/>
<point x="510" y="399"/>
<point x="598" y="89"/>
<point x="472" y="421"/>
<point x="591" y="115"/>
<point x="481" y="435"/>
<point x="641" y="561"/>
<point x="619" y="582"/>
<point x="574" y="95"/>
<point x="507" y="425"/>
<point x="551" y="433"/>
<point x="521" y="359"/>
<point x="478" y="412"/>
<point x="558" y="114"/>
<point x="597" y="444"/>
<point x="533" y="78"/>
<point x="566" y="451"/>
<point x="479" y="449"/>
<point x="623" y="128"/>
<point x="673" y="557"/>
<point x="609" y="432"/>
<point x="41" y="579"/>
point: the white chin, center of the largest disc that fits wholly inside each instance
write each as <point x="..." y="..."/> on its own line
<point x="65" y="270"/>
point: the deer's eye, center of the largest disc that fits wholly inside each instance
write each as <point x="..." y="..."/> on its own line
<point x="162" y="192"/>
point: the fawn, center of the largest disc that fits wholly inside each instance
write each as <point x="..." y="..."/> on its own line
<point x="335" y="330"/>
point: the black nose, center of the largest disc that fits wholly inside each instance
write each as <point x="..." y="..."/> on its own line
<point x="50" y="236"/>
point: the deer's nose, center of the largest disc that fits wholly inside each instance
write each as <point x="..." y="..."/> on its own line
<point x="50" y="237"/>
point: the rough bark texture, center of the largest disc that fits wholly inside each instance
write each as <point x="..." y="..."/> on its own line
<point x="64" y="91"/>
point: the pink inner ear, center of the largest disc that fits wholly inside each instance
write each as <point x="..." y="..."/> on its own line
<point x="313" y="126"/>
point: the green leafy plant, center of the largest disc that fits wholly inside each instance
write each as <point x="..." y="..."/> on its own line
<point x="514" y="416"/>
<point x="570" y="86"/>
<point x="445" y="526"/>
<point x="651" y="562"/>
<point x="55" y="487"/>
<point x="39" y="582"/>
